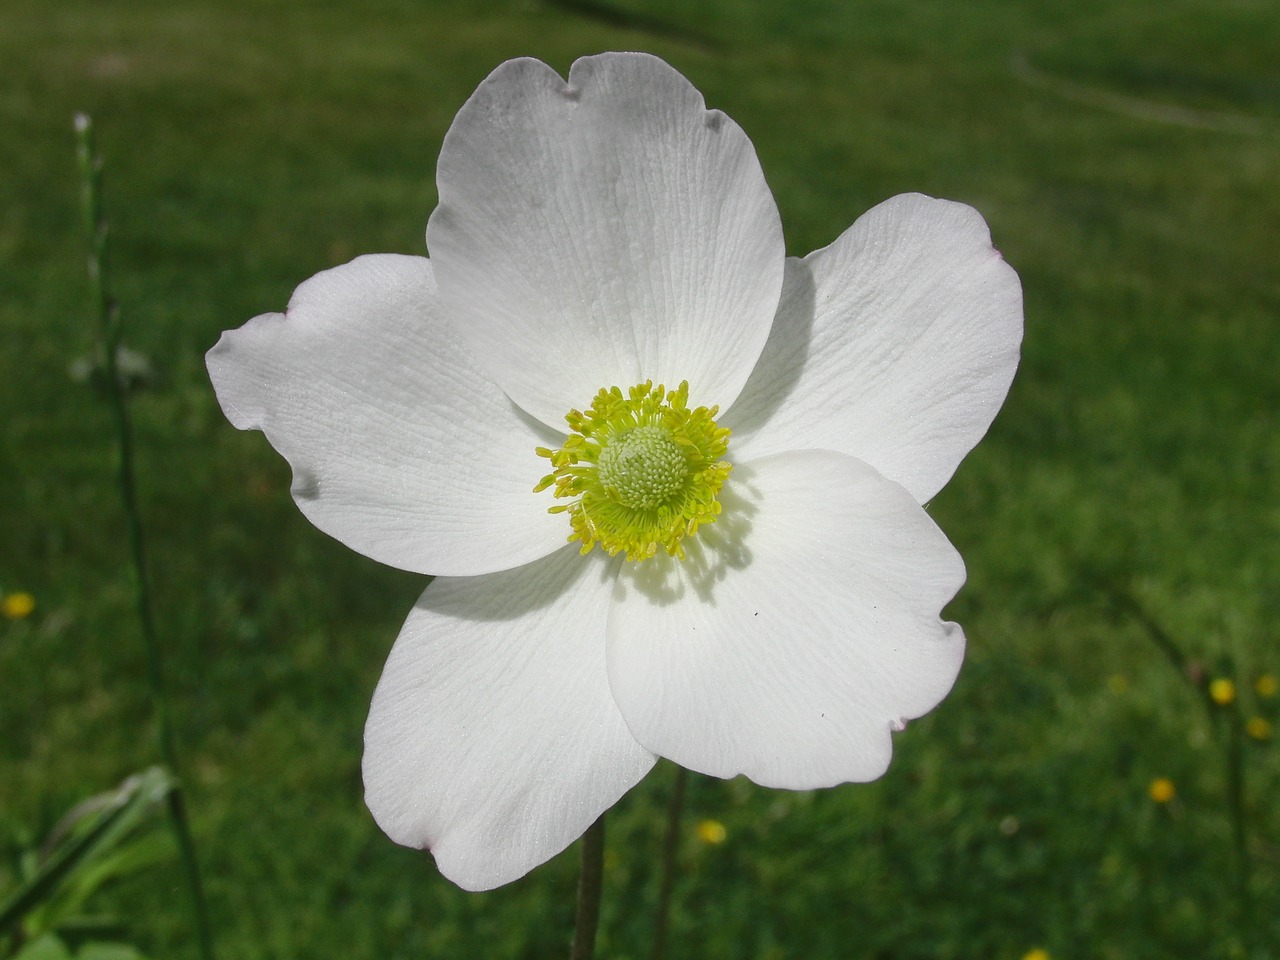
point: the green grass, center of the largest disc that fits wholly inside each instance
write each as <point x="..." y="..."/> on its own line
<point x="251" y="143"/>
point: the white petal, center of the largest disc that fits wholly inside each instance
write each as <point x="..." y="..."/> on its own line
<point x="895" y="345"/>
<point x="493" y="740"/>
<point x="400" y="447"/>
<point x="603" y="232"/>
<point x="797" y="635"/>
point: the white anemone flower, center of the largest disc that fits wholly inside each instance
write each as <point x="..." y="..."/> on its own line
<point x="725" y="559"/>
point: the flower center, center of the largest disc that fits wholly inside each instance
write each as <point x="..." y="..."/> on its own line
<point x="641" y="470"/>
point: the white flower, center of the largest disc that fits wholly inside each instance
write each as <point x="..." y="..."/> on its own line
<point x="612" y="232"/>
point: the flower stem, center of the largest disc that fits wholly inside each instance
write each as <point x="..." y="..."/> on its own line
<point x="670" y="847"/>
<point x="590" y="890"/>
<point x="109" y="332"/>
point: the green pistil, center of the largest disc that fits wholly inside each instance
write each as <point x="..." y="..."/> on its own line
<point x="641" y="470"/>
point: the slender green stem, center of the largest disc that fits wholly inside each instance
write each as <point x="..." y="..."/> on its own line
<point x="1235" y="800"/>
<point x="670" y="849"/>
<point x="590" y="890"/>
<point x="109" y="332"/>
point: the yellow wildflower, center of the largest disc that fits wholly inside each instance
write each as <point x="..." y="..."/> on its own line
<point x="1266" y="685"/>
<point x="1222" y="691"/>
<point x="17" y="606"/>
<point x="712" y="832"/>
<point x="1039" y="953"/>
<point x="1259" y="728"/>
<point x="1161" y="790"/>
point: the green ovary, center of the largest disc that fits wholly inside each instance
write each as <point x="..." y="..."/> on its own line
<point x="640" y="470"/>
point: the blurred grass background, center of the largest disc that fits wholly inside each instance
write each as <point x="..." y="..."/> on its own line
<point x="1127" y="157"/>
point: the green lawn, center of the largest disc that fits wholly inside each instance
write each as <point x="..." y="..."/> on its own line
<point x="1127" y="158"/>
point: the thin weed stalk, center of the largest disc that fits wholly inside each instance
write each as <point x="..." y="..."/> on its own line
<point x="1225" y="719"/>
<point x="109" y="344"/>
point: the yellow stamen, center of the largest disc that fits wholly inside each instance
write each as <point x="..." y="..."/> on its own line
<point x="640" y="470"/>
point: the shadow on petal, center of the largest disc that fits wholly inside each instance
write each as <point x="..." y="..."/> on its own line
<point x="716" y="549"/>
<point x="549" y="437"/>
<point x="785" y="353"/>
<point x="305" y="485"/>
<point x="521" y="591"/>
